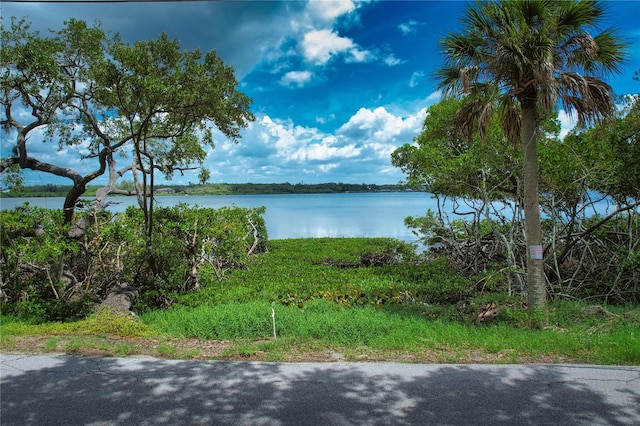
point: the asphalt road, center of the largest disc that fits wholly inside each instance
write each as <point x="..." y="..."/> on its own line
<point x="59" y="390"/>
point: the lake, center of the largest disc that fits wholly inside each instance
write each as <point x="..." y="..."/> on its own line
<point x="379" y="214"/>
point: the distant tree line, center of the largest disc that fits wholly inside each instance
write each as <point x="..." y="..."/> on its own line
<point x="288" y="188"/>
<point x="51" y="190"/>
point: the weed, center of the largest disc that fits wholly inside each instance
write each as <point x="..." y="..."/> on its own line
<point x="167" y="350"/>
<point x="51" y="344"/>
<point x="243" y="349"/>
<point x="111" y="323"/>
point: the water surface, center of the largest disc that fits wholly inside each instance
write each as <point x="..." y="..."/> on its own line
<point x="379" y="214"/>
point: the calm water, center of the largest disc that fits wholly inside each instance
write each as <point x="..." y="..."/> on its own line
<point x="301" y="215"/>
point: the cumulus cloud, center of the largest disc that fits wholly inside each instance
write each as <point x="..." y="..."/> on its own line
<point x="379" y="125"/>
<point x="296" y="78"/>
<point x="328" y="11"/>
<point x="359" y="55"/>
<point x="323" y="119"/>
<point x="323" y="152"/>
<point x="320" y="46"/>
<point x="277" y="150"/>
<point x="302" y="143"/>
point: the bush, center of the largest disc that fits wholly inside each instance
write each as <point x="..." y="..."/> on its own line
<point x="37" y="283"/>
<point x="48" y="276"/>
<point x="185" y="244"/>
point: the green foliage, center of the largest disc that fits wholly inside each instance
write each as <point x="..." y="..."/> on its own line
<point x="433" y="282"/>
<point x="428" y="228"/>
<point x="586" y="255"/>
<point x="239" y="309"/>
<point x="518" y="61"/>
<point x="185" y="241"/>
<point x="618" y="141"/>
<point x="33" y="258"/>
<point x="151" y="100"/>
<point x="350" y="296"/>
<point x="302" y="272"/>
<point x="11" y="179"/>
<point x="442" y="162"/>
<point x="47" y="276"/>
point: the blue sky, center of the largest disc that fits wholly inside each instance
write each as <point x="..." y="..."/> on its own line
<point x="336" y="85"/>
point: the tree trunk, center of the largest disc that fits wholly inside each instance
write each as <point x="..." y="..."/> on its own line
<point x="71" y="199"/>
<point x="536" y="283"/>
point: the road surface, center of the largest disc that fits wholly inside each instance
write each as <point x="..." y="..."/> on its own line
<point x="60" y="390"/>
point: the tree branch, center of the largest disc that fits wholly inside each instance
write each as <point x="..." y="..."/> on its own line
<point x="590" y="230"/>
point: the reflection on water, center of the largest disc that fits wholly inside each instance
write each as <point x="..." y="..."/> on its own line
<point x="300" y="215"/>
<point x="378" y="214"/>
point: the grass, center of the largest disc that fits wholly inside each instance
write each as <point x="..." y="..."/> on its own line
<point x="328" y="309"/>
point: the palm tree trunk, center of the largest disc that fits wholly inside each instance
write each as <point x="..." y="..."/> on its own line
<point x="536" y="284"/>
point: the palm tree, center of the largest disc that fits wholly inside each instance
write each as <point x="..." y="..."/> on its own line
<point x="522" y="59"/>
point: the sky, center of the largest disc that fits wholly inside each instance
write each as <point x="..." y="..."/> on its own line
<point x="336" y="86"/>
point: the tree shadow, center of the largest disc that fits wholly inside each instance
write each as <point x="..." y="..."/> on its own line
<point x="101" y="391"/>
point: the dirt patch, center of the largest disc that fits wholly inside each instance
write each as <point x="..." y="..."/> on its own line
<point x="116" y="346"/>
<point x="226" y="350"/>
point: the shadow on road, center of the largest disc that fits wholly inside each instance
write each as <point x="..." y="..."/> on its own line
<point x="98" y="391"/>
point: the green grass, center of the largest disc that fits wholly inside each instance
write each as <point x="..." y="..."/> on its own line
<point x="406" y="312"/>
<point x="101" y="324"/>
<point x="395" y="330"/>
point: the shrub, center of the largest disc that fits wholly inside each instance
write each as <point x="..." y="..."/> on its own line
<point x="184" y="242"/>
<point x="48" y="276"/>
<point x="37" y="283"/>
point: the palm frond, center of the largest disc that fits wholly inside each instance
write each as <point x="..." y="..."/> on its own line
<point x="576" y="15"/>
<point x="449" y="81"/>
<point x="589" y="98"/>
<point x="537" y="53"/>
<point x="477" y="110"/>
<point x="510" y="119"/>
<point x="474" y="116"/>
<point x="546" y="85"/>
<point x="611" y="54"/>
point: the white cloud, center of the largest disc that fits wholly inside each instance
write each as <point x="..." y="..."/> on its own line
<point x="357" y="55"/>
<point x="392" y="61"/>
<point x="433" y="98"/>
<point x="327" y="11"/>
<point x="324" y="120"/>
<point x="567" y="123"/>
<point x="324" y="168"/>
<point x="379" y="125"/>
<point x="324" y="152"/>
<point x="381" y="150"/>
<point x="320" y="46"/>
<point x="415" y="78"/>
<point x="296" y="78"/>
<point x="300" y="143"/>
<point x="276" y="150"/>
<point x="409" y="27"/>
